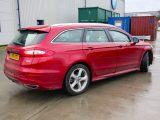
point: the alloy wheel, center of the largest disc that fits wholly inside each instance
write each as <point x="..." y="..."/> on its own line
<point x="78" y="80"/>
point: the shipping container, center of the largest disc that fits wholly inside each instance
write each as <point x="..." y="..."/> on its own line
<point x="92" y="14"/>
<point x="144" y="26"/>
<point x="113" y="14"/>
<point x="117" y="14"/>
<point x="108" y="14"/>
<point x="122" y="22"/>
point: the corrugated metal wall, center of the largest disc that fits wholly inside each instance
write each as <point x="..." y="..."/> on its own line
<point x="8" y="20"/>
<point x="51" y="11"/>
<point x="144" y="26"/>
<point x="59" y="11"/>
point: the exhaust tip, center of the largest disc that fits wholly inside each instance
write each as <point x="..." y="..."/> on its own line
<point x="29" y="86"/>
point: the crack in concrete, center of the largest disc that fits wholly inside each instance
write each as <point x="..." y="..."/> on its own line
<point x="43" y="108"/>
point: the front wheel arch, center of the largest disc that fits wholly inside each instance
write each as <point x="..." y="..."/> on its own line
<point x="145" y="62"/>
<point x="150" y="53"/>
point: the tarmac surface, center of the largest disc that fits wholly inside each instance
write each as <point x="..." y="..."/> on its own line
<point x="133" y="96"/>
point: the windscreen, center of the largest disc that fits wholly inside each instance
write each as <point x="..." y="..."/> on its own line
<point x="27" y="38"/>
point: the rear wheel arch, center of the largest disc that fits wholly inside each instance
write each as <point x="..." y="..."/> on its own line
<point x="79" y="62"/>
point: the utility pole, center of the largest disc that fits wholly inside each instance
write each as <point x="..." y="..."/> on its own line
<point x="19" y="17"/>
<point x="85" y="3"/>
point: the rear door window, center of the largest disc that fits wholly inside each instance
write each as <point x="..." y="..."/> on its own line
<point x="70" y="36"/>
<point x="27" y="38"/>
<point x="96" y="36"/>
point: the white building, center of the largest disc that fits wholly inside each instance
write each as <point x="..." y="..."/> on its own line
<point x="33" y="12"/>
<point x="148" y="13"/>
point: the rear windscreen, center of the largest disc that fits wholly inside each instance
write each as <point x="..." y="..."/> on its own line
<point x="27" y="38"/>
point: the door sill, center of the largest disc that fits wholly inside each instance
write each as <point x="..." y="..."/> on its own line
<point x="114" y="74"/>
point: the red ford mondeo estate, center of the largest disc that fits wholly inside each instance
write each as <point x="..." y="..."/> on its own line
<point x="71" y="56"/>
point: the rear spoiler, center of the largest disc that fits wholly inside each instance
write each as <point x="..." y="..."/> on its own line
<point x="41" y="28"/>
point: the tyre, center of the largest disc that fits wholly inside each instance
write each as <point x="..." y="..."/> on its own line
<point x="77" y="80"/>
<point x="145" y="63"/>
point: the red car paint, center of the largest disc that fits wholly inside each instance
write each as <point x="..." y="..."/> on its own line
<point x="48" y="70"/>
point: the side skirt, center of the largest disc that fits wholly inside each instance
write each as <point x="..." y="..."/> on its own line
<point x="114" y="74"/>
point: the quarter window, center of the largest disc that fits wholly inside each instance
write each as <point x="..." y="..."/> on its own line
<point x="71" y="36"/>
<point x="98" y="36"/>
<point x="119" y="37"/>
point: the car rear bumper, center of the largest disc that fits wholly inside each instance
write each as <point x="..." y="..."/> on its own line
<point x="34" y="78"/>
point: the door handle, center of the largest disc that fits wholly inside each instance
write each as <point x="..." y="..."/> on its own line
<point x="89" y="48"/>
<point x="120" y="46"/>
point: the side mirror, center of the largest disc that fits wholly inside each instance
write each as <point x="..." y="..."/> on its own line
<point x="135" y="40"/>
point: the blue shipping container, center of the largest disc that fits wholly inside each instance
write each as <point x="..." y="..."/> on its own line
<point x="122" y="22"/>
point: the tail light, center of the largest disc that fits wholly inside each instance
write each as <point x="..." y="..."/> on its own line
<point x="37" y="52"/>
<point x="34" y="52"/>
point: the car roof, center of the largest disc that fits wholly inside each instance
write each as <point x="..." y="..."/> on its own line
<point x="46" y="28"/>
<point x="65" y="26"/>
<point x="83" y="25"/>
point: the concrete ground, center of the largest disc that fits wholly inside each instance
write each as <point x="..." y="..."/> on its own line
<point x="134" y="96"/>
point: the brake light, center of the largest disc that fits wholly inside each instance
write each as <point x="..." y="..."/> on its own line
<point x="37" y="52"/>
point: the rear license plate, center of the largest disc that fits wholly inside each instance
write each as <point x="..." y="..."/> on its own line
<point x="14" y="56"/>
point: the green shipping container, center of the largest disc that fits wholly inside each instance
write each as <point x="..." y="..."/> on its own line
<point x="113" y="14"/>
<point x="108" y="14"/>
<point x="92" y="14"/>
<point x="117" y="15"/>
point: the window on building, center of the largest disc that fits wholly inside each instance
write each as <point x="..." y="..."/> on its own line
<point x="40" y="22"/>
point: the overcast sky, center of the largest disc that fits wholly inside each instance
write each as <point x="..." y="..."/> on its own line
<point x="142" y="5"/>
